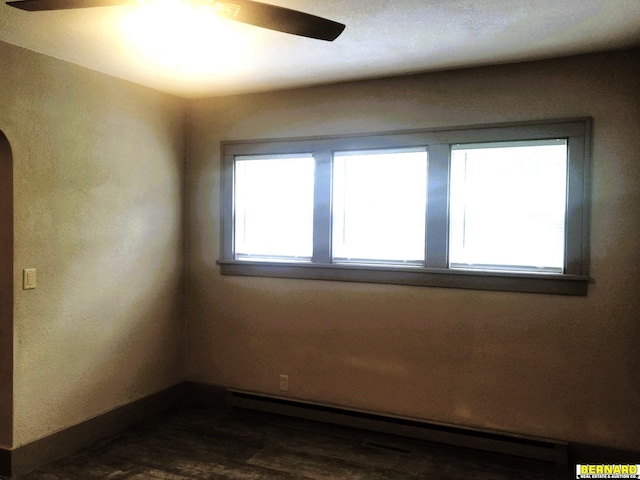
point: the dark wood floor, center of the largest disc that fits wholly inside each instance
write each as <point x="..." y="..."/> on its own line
<point x="212" y="443"/>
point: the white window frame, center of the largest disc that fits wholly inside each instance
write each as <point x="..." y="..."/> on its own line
<point x="435" y="272"/>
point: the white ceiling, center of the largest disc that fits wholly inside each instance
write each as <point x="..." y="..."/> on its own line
<point x="382" y="38"/>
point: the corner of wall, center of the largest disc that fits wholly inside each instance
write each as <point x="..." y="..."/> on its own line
<point x="6" y="293"/>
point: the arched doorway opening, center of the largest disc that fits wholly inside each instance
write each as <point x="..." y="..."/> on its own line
<point x="6" y="293"/>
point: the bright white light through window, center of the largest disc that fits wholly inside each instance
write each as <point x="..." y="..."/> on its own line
<point x="274" y="207"/>
<point x="507" y="206"/>
<point x="379" y="206"/>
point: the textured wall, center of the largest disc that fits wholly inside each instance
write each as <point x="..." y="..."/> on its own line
<point x="553" y="366"/>
<point x="98" y="174"/>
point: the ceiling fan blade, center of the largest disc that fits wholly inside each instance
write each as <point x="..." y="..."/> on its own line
<point x="41" y="5"/>
<point x="278" y="18"/>
<point x="255" y="13"/>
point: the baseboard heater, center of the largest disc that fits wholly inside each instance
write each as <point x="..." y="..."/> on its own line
<point x="478" y="439"/>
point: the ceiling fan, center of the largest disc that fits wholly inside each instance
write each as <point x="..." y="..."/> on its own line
<point x="246" y="11"/>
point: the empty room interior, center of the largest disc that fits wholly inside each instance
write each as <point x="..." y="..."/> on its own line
<point x="182" y="217"/>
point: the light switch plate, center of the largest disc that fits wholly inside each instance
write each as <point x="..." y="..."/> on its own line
<point x="29" y="279"/>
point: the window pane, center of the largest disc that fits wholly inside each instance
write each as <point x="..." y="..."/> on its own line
<point x="379" y="206"/>
<point x="507" y="206"/>
<point x="274" y="207"/>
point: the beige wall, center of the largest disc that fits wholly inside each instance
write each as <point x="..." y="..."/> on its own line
<point x="553" y="366"/>
<point x="98" y="174"/>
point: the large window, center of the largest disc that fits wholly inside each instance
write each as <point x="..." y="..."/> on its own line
<point x="274" y="207"/>
<point x="507" y="206"/>
<point x="497" y="207"/>
<point x="379" y="207"/>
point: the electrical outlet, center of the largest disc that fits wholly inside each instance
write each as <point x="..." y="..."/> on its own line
<point x="284" y="383"/>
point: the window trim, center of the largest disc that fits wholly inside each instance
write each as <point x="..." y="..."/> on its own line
<point x="436" y="272"/>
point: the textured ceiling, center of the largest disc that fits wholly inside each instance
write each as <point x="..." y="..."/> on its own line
<point x="219" y="57"/>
